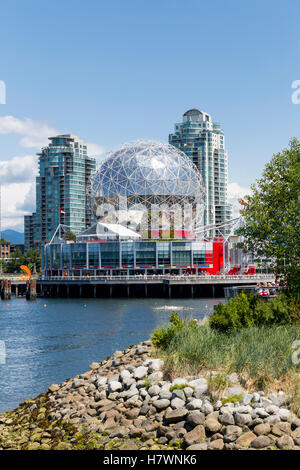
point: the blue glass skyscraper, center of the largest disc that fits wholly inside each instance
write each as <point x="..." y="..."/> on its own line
<point x="61" y="197"/>
<point x="203" y="142"/>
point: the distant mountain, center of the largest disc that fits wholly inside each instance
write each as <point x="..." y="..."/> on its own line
<point x="14" y="237"/>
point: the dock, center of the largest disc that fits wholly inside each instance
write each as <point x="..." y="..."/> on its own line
<point x="166" y="286"/>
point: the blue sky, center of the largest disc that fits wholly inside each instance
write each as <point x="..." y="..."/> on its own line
<point x="123" y="70"/>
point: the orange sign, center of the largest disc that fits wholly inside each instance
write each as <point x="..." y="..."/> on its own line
<point x="27" y="271"/>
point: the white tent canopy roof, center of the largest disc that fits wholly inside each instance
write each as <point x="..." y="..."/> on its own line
<point x="102" y="230"/>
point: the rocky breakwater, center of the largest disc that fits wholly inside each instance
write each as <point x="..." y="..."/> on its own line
<point x="127" y="402"/>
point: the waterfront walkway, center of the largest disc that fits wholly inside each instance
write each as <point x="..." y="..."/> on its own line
<point x="160" y="278"/>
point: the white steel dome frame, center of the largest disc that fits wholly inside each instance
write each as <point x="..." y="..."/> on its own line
<point x="152" y="177"/>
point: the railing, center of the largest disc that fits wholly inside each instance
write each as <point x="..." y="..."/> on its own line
<point x="208" y="278"/>
<point x="20" y="277"/>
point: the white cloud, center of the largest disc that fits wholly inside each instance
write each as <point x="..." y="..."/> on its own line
<point x="35" y="133"/>
<point x="17" y="176"/>
<point x="18" y="169"/>
<point x="27" y="203"/>
<point x="95" y="150"/>
<point x="16" y="200"/>
<point x="236" y="192"/>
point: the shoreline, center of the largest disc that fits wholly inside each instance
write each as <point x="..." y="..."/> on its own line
<point x="128" y="402"/>
<point x="55" y="352"/>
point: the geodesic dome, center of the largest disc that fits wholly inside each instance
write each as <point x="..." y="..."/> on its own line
<point x="148" y="176"/>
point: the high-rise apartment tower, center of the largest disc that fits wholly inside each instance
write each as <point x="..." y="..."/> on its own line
<point x="203" y="142"/>
<point x="61" y="197"/>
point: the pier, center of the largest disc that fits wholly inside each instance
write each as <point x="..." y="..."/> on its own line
<point x="145" y="285"/>
<point x="166" y="286"/>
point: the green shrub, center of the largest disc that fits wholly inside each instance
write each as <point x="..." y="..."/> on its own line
<point x="294" y="308"/>
<point x="249" y="310"/>
<point x="233" y="315"/>
<point x="162" y="337"/>
<point x="280" y="310"/>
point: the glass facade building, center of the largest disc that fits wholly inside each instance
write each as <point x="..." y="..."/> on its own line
<point x="61" y="190"/>
<point x="140" y="182"/>
<point x="126" y="256"/>
<point x="29" y="228"/>
<point x="203" y="142"/>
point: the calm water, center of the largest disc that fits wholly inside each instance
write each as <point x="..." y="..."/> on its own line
<point x="50" y="340"/>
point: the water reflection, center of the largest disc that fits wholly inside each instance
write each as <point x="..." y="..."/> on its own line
<point x="47" y="342"/>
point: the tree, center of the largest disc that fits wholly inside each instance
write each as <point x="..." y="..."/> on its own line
<point x="2" y="266"/>
<point x="69" y="235"/>
<point x="272" y="215"/>
<point x="32" y="259"/>
<point x="15" y="261"/>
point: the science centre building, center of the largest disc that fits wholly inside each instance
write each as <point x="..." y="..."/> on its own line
<point x="148" y="201"/>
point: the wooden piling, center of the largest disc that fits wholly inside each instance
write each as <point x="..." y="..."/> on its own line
<point x="31" y="289"/>
<point x="213" y="292"/>
<point x="192" y="291"/>
<point x="5" y="289"/>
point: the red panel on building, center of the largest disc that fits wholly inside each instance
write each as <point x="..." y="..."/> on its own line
<point x="217" y="257"/>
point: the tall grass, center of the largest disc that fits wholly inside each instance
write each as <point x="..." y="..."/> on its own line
<point x="262" y="353"/>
